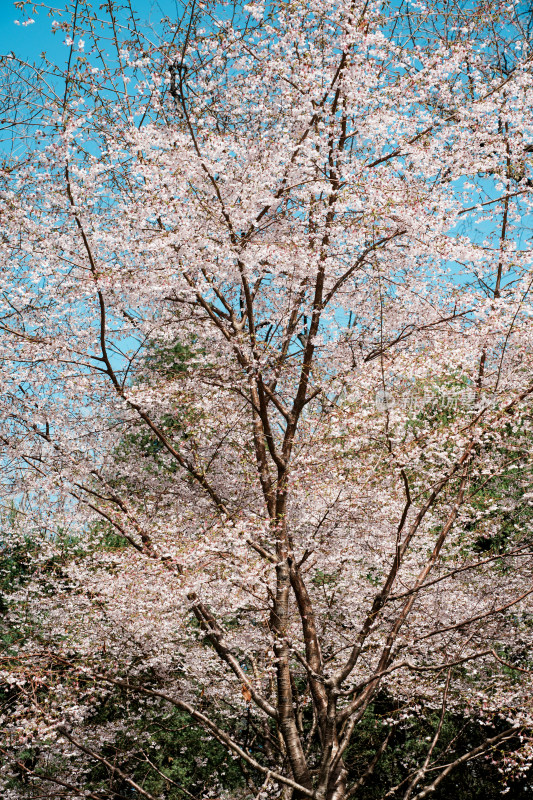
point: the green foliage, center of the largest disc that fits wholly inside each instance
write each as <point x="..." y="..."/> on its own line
<point x="322" y="578"/>
<point x="15" y="568"/>
<point x="500" y="501"/>
<point x="169" y="360"/>
<point x="437" y="403"/>
<point x="146" y="444"/>
<point x="164" y="751"/>
<point x="411" y="738"/>
<point x="104" y="536"/>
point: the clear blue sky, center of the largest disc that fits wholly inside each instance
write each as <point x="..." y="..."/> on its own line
<point x="29" y="41"/>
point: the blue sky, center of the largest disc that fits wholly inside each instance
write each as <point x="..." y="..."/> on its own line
<point x="29" y="41"/>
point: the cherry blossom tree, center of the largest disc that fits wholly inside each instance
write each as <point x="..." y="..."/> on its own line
<point x="266" y="325"/>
